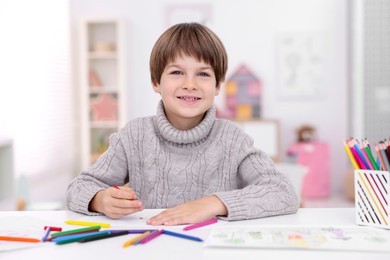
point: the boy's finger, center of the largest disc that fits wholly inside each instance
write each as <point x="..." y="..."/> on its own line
<point x="123" y="194"/>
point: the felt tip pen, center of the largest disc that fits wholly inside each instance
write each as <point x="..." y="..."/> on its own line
<point x="19" y="239"/>
<point x="152" y="235"/>
<point x="132" y="231"/>
<point x="46" y="235"/>
<point x="76" y="238"/>
<point x="174" y="234"/>
<point x="201" y="224"/>
<point x="74" y="231"/>
<point x="53" y="228"/>
<point x="135" y="239"/>
<point x="87" y="223"/>
<point x="111" y="234"/>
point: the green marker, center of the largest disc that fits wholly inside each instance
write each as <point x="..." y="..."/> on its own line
<point x="76" y="231"/>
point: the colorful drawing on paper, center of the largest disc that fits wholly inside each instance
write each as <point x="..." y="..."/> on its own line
<point x="243" y="95"/>
<point x="313" y="238"/>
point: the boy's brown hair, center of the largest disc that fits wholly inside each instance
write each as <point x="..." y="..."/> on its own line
<point x="192" y="39"/>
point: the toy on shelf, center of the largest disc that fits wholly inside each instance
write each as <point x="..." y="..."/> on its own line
<point x="314" y="155"/>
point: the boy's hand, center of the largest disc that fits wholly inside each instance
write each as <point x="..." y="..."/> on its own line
<point x="116" y="202"/>
<point x="191" y="212"/>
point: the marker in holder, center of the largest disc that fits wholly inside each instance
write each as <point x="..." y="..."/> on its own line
<point x="372" y="198"/>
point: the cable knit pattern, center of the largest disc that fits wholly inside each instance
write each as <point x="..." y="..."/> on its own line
<point x="167" y="167"/>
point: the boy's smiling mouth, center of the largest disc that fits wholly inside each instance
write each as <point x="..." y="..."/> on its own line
<point x="189" y="98"/>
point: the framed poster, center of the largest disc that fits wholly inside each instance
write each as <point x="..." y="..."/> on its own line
<point x="301" y="64"/>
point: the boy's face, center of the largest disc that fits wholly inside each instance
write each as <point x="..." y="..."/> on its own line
<point x="187" y="88"/>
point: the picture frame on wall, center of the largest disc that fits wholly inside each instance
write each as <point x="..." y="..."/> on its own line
<point x="301" y="65"/>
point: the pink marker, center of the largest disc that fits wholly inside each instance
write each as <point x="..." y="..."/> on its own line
<point x="151" y="236"/>
<point x="201" y="224"/>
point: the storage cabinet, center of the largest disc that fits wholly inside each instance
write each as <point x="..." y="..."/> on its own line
<point x="265" y="134"/>
<point x="103" y="109"/>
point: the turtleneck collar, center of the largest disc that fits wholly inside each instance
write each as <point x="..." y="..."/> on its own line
<point x="194" y="136"/>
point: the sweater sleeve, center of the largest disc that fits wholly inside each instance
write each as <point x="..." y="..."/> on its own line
<point x="109" y="170"/>
<point x="264" y="190"/>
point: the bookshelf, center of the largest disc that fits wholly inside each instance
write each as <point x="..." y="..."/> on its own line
<point x="103" y="109"/>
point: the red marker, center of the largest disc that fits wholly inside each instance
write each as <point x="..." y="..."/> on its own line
<point x="53" y="228"/>
<point x="116" y="187"/>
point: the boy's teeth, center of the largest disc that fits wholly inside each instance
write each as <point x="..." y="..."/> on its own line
<point x="189" y="98"/>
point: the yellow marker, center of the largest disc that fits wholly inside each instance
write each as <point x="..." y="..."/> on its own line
<point x="86" y="223"/>
<point x="131" y="241"/>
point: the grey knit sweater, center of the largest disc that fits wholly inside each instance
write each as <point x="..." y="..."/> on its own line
<point x="167" y="167"/>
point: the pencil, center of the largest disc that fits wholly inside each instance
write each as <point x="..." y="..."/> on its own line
<point x="384" y="158"/>
<point x="353" y="161"/>
<point x="361" y="155"/>
<point x="357" y="157"/>
<point x="378" y="154"/>
<point x="133" y="240"/>
<point x="201" y="224"/>
<point x="19" y="239"/>
<point x="87" y="223"/>
<point x="368" y="150"/>
<point x="371" y="167"/>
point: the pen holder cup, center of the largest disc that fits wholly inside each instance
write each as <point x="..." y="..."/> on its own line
<point x="372" y="198"/>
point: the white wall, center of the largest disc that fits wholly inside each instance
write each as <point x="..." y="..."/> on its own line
<point x="36" y="104"/>
<point x="248" y="29"/>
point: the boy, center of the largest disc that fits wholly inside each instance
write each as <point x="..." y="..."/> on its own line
<point x="183" y="158"/>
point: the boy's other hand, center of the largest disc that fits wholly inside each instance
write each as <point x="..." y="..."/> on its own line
<point x="191" y="212"/>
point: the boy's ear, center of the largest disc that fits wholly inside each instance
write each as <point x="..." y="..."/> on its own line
<point x="156" y="87"/>
<point x="218" y="89"/>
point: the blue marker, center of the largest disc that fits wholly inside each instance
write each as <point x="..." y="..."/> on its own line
<point x="170" y="233"/>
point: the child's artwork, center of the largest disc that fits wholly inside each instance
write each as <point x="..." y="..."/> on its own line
<point x="243" y="95"/>
<point x="349" y="238"/>
<point x="301" y="64"/>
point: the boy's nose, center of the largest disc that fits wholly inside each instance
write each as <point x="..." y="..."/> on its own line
<point x="189" y="84"/>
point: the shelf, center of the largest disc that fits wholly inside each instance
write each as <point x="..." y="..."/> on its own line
<point x="104" y="124"/>
<point x="103" y="90"/>
<point x="102" y="85"/>
<point x="102" y="55"/>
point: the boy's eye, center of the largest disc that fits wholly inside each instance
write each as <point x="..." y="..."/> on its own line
<point x="175" y="72"/>
<point x="203" y="74"/>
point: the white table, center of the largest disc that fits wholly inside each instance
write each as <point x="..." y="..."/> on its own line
<point x="167" y="247"/>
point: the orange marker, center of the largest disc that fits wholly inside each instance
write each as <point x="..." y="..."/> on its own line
<point x="20" y="239"/>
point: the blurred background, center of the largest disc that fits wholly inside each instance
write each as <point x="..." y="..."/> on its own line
<point x="303" y="76"/>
